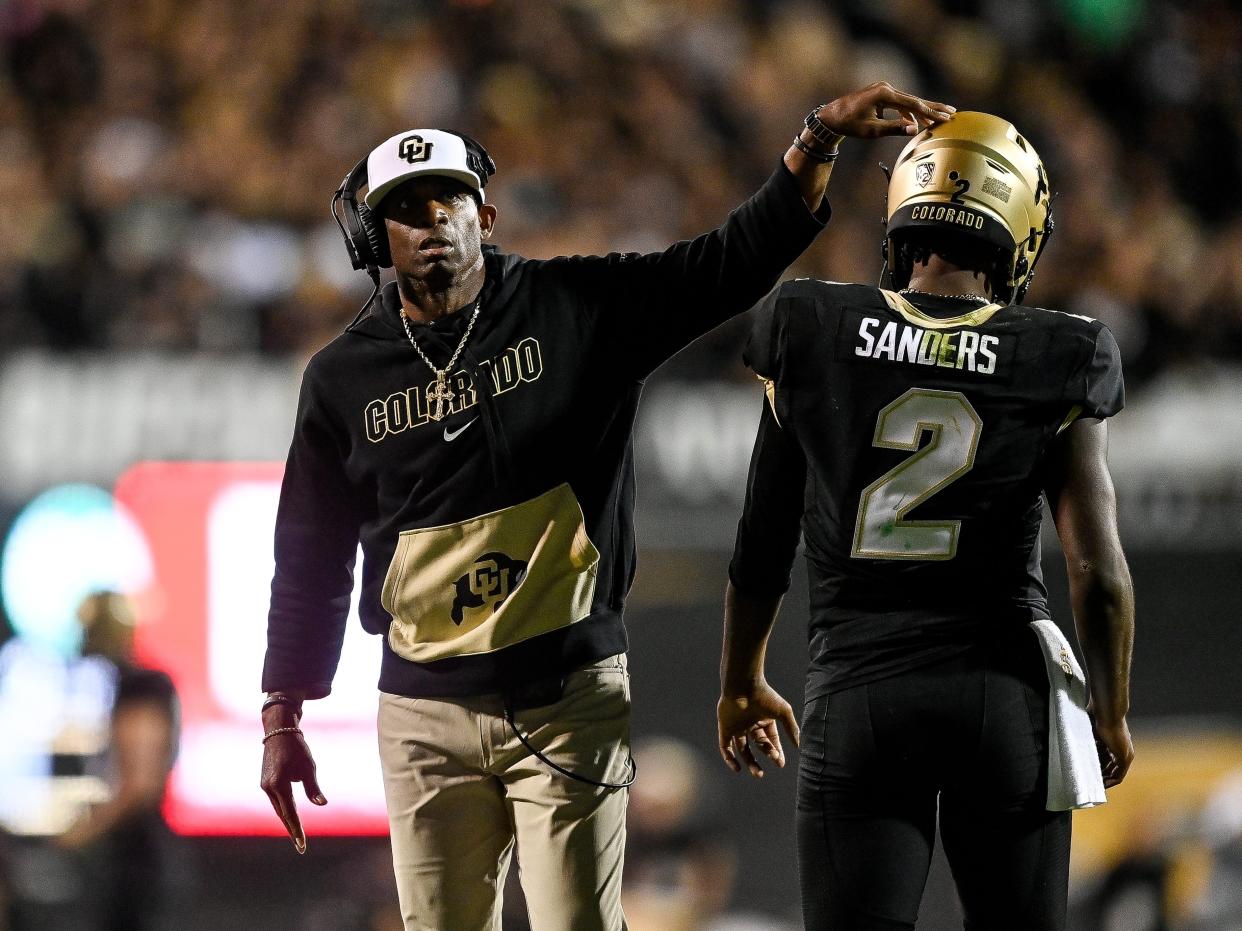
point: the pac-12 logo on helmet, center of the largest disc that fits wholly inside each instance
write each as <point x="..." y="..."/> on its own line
<point x="414" y="149"/>
<point x="923" y="173"/>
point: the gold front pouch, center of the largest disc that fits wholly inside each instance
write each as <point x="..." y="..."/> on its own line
<point x="489" y="582"/>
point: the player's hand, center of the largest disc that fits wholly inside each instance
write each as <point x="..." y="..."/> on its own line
<point x="1116" y="750"/>
<point x="286" y="760"/>
<point x="861" y="114"/>
<point x="751" y="717"/>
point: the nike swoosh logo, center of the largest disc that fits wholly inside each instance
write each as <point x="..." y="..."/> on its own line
<point x="450" y="435"/>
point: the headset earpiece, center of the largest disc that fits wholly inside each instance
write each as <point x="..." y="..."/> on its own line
<point x="355" y="223"/>
<point x="377" y="236"/>
<point x="477" y="158"/>
<point x="365" y="240"/>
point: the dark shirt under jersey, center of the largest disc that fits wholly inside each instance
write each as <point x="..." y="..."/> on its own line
<point x="905" y="438"/>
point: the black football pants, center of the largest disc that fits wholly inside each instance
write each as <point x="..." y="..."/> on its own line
<point x="970" y="732"/>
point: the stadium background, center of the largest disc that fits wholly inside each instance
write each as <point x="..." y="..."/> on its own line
<point x="167" y="263"/>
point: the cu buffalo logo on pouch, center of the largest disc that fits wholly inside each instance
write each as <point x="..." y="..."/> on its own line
<point x="491" y="580"/>
<point x="923" y="173"/>
<point x="413" y="149"/>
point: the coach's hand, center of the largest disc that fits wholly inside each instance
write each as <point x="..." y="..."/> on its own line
<point x="861" y="114"/>
<point x="1116" y="749"/>
<point x="286" y="760"/>
<point x="751" y="717"/>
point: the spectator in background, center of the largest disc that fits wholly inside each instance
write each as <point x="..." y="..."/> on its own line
<point x="681" y="859"/>
<point x="1220" y="900"/>
<point x="6" y="896"/>
<point x="679" y="869"/>
<point x="127" y="222"/>
<point x="127" y="847"/>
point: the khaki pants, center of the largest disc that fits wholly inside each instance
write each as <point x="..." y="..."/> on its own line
<point x="461" y="789"/>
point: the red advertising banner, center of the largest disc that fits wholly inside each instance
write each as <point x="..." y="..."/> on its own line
<point x="203" y="620"/>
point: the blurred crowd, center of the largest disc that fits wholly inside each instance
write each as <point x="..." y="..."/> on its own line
<point x="166" y="165"/>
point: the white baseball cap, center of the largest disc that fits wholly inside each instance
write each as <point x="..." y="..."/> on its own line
<point x="418" y="152"/>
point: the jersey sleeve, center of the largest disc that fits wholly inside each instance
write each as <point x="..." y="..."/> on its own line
<point x="767" y="534"/>
<point x="654" y="305"/>
<point x="1103" y="391"/>
<point x="764" y="343"/>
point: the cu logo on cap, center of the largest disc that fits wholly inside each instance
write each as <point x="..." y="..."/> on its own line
<point x="413" y="149"/>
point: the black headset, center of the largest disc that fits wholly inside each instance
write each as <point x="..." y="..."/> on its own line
<point x="365" y="238"/>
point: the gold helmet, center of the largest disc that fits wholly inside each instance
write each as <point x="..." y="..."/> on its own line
<point x="974" y="175"/>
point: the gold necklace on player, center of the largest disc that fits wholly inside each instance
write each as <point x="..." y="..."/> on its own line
<point x="440" y="395"/>
<point x="956" y="297"/>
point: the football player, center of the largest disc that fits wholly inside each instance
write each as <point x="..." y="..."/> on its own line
<point x="912" y="435"/>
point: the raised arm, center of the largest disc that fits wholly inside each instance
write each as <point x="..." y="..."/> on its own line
<point x="1080" y="494"/>
<point x="655" y="304"/>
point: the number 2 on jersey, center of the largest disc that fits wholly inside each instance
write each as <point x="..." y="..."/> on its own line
<point x="882" y="532"/>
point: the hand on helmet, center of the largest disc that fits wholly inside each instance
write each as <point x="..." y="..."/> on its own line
<point x="861" y="114"/>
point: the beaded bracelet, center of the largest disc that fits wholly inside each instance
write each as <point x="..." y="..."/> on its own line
<point x="812" y="153"/>
<point x="281" y="730"/>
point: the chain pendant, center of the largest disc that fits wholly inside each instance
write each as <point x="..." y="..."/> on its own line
<point x="438" y="397"/>
<point x="440" y="394"/>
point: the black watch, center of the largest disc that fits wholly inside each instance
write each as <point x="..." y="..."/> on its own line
<point x="826" y="137"/>
<point x="279" y="698"/>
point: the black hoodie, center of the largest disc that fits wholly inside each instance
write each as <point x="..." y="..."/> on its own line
<point x="498" y="542"/>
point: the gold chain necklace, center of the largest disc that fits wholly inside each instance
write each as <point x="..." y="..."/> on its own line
<point x="441" y="394"/>
<point x="956" y="297"/>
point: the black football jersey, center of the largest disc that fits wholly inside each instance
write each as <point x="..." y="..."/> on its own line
<point x="905" y="436"/>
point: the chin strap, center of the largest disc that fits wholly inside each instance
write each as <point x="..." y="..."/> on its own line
<point x="888" y="177"/>
<point x="1049" y="226"/>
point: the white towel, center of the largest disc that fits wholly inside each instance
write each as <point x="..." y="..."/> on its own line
<point x="1074" y="778"/>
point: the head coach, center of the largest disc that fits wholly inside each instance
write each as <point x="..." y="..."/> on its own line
<point x="472" y="429"/>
